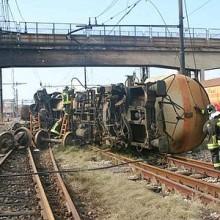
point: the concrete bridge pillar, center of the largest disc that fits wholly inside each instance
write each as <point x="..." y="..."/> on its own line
<point x="202" y="75"/>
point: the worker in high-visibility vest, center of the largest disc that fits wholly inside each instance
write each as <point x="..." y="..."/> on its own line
<point x="66" y="98"/>
<point x="56" y="127"/>
<point x="212" y="127"/>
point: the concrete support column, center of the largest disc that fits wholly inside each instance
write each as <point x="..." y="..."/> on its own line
<point x="1" y="97"/>
<point x="202" y="75"/>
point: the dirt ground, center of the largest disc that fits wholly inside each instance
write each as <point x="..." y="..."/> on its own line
<point x="108" y="194"/>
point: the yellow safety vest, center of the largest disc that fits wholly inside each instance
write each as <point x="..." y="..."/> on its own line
<point x="66" y="98"/>
<point x="55" y="129"/>
<point x="213" y="143"/>
<point x="216" y="164"/>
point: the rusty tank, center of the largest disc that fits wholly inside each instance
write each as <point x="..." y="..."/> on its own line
<point x="177" y="115"/>
<point x="156" y="114"/>
<point x="159" y="114"/>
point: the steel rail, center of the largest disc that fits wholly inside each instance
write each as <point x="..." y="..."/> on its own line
<point x="20" y="186"/>
<point x="70" y="205"/>
<point x="193" y="161"/>
<point x="47" y="212"/>
<point x="5" y="157"/>
<point x="198" y="166"/>
<point x="185" y="185"/>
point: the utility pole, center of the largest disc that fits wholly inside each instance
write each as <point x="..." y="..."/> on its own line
<point x="15" y="93"/>
<point x="85" y="77"/>
<point x="181" y="33"/>
<point x="1" y="96"/>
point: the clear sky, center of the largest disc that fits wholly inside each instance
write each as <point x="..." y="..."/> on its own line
<point x="78" y="11"/>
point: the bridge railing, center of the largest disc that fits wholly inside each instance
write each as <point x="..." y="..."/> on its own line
<point x="169" y="31"/>
<point x="37" y="27"/>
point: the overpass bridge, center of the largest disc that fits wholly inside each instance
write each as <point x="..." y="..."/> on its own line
<point x="34" y="44"/>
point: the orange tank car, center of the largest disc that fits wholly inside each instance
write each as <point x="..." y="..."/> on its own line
<point x="212" y="87"/>
<point x="182" y="124"/>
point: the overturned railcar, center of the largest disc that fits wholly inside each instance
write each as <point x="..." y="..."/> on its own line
<point x="157" y="114"/>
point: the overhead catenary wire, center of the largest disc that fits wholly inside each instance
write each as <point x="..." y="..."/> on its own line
<point x="19" y="11"/>
<point x="127" y="3"/>
<point x="127" y="13"/>
<point x="120" y="12"/>
<point x="200" y="7"/>
<point x="10" y="11"/>
<point x="4" y="10"/>
<point x="113" y="3"/>
<point x="117" y="14"/>
<point x="161" y="16"/>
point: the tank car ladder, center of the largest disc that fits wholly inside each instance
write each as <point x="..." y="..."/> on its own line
<point x="65" y="125"/>
<point x="35" y="123"/>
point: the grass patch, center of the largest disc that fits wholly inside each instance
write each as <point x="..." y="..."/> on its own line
<point x="112" y="196"/>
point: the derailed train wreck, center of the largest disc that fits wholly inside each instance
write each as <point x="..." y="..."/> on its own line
<point x="156" y="114"/>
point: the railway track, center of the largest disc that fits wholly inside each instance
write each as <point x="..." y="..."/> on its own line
<point x="56" y="192"/>
<point x="194" y="166"/>
<point x="174" y="181"/>
<point x="24" y="194"/>
<point x="18" y="198"/>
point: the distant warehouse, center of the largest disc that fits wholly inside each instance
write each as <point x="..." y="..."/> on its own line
<point x="212" y="87"/>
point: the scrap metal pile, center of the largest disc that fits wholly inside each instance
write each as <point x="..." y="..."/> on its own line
<point x="157" y="114"/>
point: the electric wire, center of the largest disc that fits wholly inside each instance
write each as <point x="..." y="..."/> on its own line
<point x="69" y="170"/>
<point x="127" y="13"/>
<point x="4" y="10"/>
<point x="116" y="15"/>
<point x="112" y="4"/>
<point x="127" y="3"/>
<point x="10" y="11"/>
<point x="161" y="16"/>
<point x="119" y="13"/>
<point x="19" y="11"/>
<point x="198" y="8"/>
<point x="190" y="37"/>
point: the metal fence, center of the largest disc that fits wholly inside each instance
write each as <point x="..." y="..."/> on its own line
<point x="107" y="30"/>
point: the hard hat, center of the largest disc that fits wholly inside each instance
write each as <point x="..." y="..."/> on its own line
<point x="210" y="108"/>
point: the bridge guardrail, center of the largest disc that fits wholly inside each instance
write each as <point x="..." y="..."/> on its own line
<point x="151" y="31"/>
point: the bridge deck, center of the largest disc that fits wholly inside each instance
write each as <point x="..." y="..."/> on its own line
<point x="106" y="46"/>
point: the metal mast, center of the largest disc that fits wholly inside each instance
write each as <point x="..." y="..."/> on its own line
<point x="181" y="33"/>
<point x="85" y="77"/>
